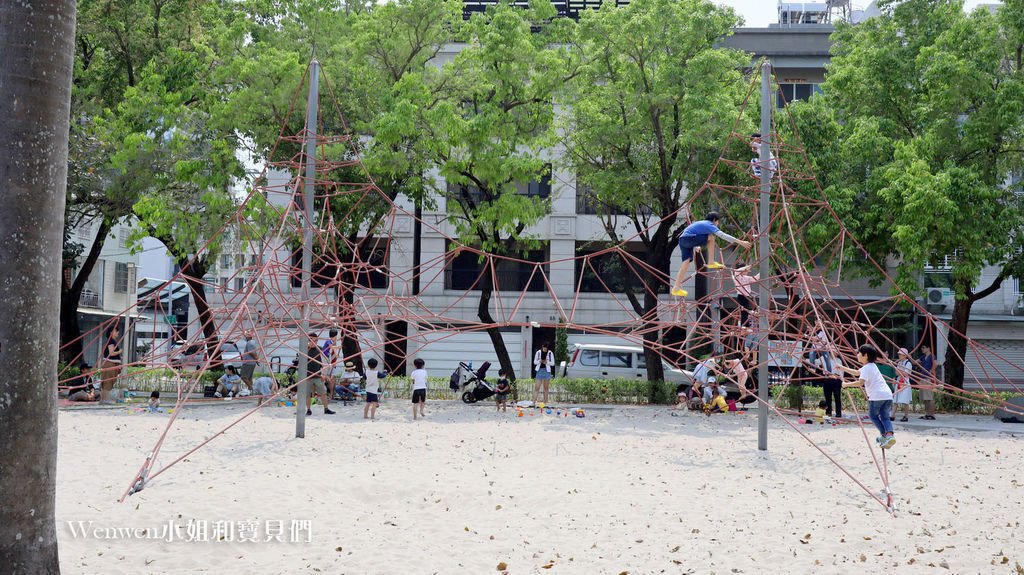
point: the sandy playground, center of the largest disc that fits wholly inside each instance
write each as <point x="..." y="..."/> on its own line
<point x="624" y="490"/>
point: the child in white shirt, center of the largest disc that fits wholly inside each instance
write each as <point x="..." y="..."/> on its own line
<point x="419" y="388"/>
<point x="372" y="389"/>
<point x="879" y="394"/>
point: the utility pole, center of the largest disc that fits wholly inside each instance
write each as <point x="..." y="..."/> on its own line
<point x="309" y="186"/>
<point x="764" y="293"/>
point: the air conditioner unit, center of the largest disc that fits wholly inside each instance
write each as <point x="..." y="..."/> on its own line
<point x="939" y="297"/>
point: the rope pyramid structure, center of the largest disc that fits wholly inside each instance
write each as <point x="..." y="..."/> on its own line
<point x="356" y="290"/>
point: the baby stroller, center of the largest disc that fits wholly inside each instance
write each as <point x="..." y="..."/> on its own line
<point x="475" y="385"/>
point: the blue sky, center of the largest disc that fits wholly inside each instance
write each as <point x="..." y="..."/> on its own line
<point x="760" y="13"/>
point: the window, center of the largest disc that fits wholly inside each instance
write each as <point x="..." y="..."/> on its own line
<point x="608" y="272"/>
<point x="120" y="277"/>
<point x="588" y="205"/>
<point x="122" y="240"/>
<point x="1018" y="287"/>
<point x="252" y="260"/>
<point x="591" y="357"/>
<point x="465" y="269"/>
<point x="225" y="261"/>
<point x="223" y="284"/>
<point x="539" y="189"/>
<point x="471" y="194"/>
<point x="239" y="260"/>
<point x="617" y="359"/>
<point x="789" y="93"/>
<point x="370" y="267"/>
<point x="85" y="230"/>
<point x="239" y="284"/>
<point x="641" y="361"/>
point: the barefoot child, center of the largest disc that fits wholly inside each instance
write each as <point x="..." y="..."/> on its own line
<point x="419" y="388"/>
<point x="879" y="394"/>
<point x="694" y="237"/>
<point x="372" y="389"/>
<point x="501" y="391"/>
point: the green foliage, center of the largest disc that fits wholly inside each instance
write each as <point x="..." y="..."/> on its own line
<point x="615" y="391"/>
<point x="653" y="103"/>
<point x="922" y="117"/>
<point x="561" y="344"/>
<point x="484" y="119"/>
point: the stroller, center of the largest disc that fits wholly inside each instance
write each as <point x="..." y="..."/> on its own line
<point x="475" y="385"/>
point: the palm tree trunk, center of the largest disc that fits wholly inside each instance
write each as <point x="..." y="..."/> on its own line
<point x="36" y="55"/>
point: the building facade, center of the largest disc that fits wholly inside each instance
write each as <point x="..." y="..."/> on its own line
<point x="110" y="289"/>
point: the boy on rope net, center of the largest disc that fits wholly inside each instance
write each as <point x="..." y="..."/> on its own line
<point x="879" y="394"/>
<point x="694" y="237"/>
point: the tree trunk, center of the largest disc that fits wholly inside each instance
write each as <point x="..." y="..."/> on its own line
<point x="956" y="352"/>
<point x="484" y="313"/>
<point x="70" y="332"/>
<point x="652" y="335"/>
<point x="350" y="347"/>
<point x="192" y="272"/>
<point x="36" y="54"/>
<point x="71" y="294"/>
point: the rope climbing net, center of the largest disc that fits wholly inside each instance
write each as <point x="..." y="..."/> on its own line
<point x="365" y="283"/>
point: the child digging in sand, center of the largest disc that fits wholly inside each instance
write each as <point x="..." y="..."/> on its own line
<point x="879" y="394"/>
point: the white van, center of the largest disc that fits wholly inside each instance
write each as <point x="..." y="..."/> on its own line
<point x="603" y="361"/>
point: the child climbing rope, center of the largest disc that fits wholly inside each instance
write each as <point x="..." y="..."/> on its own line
<point x="694" y="237"/>
<point x="755" y="162"/>
<point x="879" y="394"/>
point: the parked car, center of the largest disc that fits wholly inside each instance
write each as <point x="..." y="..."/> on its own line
<point x="185" y="355"/>
<point x="603" y="361"/>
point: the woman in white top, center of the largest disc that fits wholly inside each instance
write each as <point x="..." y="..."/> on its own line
<point x="904" y="393"/>
<point x="544" y="362"/>
<point x="879" y="394"/>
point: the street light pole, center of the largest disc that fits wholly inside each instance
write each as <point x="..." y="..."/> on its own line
<point x="309" y="185"/>
<point x="764" y="293"/>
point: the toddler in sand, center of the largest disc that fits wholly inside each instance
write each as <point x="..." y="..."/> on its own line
<point x="501" y="391"/>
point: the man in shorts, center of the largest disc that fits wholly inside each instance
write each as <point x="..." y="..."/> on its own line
<point x="924" y="380"/>
<point x="694" y="238"/>
<point x="314" y="370"/>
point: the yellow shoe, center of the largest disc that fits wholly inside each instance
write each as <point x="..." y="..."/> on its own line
<point x="715" y="266"/>
<point x="680" y="293"/>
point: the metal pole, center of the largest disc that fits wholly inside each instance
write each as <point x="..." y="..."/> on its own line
<point x="309" y="185"/>
<point x="763" y="291"/>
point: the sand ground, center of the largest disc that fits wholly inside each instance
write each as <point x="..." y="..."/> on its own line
<point x="624" y="490"/>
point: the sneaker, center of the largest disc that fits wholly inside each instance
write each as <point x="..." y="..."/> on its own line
<point x="328" y="411"/>
<point x="309" y="412"/>
<point x="904" y="418"/>
<point x="930" y="417"/>
<point x="217" y="394"/>
<point x="879" y="439"/>
<point x="714" y="266"/>
<point x="680" y="293"/>
<point x="888" y="441"/>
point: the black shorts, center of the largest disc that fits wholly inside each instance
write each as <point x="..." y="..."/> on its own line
<point x="419" y="396"/>
<point x="372" y="398"/>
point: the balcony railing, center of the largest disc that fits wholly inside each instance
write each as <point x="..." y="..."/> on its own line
<point x="89" y="298"/>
